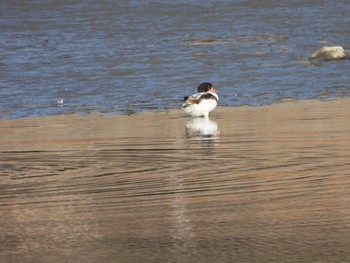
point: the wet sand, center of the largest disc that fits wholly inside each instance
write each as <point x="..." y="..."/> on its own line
<point x="264" y="184"/>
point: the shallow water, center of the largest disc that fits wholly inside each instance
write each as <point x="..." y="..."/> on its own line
<point x="269" y="184"/>
<point x="122" y="57"/>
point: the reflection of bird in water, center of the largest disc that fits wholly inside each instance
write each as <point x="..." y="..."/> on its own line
<point x="203" y="102"/>
<point x="329" y="53"/>
<point x="202" y="128"/>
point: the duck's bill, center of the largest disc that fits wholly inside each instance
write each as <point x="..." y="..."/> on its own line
<point x="213" y="90"/>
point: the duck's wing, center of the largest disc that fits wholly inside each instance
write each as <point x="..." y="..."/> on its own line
<point x="198" y="97"/>
<point x="193" y="99"/>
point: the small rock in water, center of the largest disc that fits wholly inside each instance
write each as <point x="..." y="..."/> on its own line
<point x="60" y="102"/>
<point x="329" y="53"/>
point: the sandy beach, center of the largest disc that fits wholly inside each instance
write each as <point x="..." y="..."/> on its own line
<point x="252" y="184"/>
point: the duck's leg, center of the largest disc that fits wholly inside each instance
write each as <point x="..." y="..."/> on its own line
<point x="206" y="115"/>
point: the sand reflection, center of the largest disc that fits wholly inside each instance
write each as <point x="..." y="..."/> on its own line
<point x="183" y="234"/>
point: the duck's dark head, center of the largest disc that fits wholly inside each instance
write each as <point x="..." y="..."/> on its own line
<point x="205" y="87"/>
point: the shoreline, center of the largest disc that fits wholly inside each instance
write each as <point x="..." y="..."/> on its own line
<point x="167" y="111"/>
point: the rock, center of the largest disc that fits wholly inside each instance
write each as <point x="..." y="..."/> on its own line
<point x="329" y="53"/>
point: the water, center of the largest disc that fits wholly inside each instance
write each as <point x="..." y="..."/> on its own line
<point x="122" y="57"/>
<point x="267" y="184"/>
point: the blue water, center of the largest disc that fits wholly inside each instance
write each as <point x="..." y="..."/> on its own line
<point x="122" y="57"/>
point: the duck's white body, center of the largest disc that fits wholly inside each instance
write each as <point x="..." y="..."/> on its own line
<point x="201" y="104"/>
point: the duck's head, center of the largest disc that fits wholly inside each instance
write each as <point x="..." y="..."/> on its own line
<point x="205" y="87"/>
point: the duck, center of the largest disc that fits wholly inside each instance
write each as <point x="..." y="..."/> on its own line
<point x="329" y="53"/>
<point x="203" y="102"/>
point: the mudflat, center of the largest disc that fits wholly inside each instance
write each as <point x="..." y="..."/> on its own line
<point x="252" y="184"/>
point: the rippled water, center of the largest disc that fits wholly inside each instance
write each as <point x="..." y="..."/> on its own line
<point x="266" y="185"/>
<point x="123" y="57"/>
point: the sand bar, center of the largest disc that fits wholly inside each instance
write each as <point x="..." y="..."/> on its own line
<point x="83" y="130"/>
<point x="254" y="184"/>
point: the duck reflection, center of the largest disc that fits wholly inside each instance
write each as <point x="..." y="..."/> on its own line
<point x="202" y="129"/>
